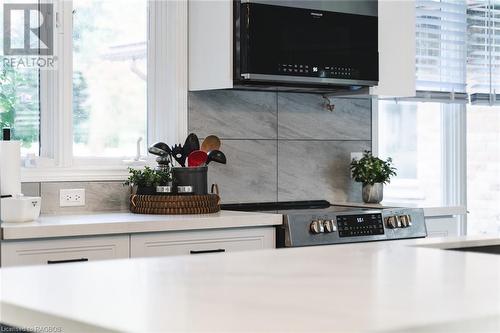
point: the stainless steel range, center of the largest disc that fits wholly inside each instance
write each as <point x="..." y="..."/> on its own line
<point x="308" y="223"/>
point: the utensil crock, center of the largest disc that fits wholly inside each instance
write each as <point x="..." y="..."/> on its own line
<point x="194" y="177"/>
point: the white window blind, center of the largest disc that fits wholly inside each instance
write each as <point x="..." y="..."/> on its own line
<point x="483" y="53"/>
<point x="441" y="50"/>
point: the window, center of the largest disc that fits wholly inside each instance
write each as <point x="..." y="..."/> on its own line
<point x="119" y="76"/>
<point x="483" y="66"/>
<point x="458" y="51"/>
<point x="483" y="169"/>
<point x="441" y="33"/>
<point x="109" y="77"/>
<point x="20" y="97"/>
<point x="483" y="117"/>
<point x="410" y="133"/>
<point x="420" y="134"/>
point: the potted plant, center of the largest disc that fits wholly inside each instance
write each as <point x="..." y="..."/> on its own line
<point x="373" y="173"/>
<point x="147" y="179"/>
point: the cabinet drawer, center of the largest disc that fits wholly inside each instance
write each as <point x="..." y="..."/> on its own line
<point x="199" y="242"/>
<point x="55" y="251"/>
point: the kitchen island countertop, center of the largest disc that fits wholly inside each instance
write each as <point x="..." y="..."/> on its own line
<point x="392" y="286"/>
<point x="47" y="226"/>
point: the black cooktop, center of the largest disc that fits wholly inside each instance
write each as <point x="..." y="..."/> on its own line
<point x="276" y="206"/>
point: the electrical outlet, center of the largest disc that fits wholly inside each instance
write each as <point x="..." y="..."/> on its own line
<point x="72" y="197"/>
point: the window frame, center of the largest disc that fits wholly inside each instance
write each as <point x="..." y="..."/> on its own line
<point x="166" y="98"/>
<point x="453" y="157"/>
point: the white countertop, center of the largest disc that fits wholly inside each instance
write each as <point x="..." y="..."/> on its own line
<point x="390" y="286"/>
<point x="47" y="226"/>
<point x="123" y="223"/>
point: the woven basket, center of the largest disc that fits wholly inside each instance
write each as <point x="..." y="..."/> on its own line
<point x="175" y="204"/>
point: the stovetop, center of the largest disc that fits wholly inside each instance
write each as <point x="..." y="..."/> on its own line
<point x="307" y="223"/>
<point x="277" y="206"/>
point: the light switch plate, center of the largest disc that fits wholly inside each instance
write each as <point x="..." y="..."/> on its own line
<point x="72" y="197"/>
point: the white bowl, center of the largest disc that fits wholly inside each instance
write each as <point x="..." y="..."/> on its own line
<point x="20" y="209"/>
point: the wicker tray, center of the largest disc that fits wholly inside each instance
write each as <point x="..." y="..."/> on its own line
<point x="174" y="204"/>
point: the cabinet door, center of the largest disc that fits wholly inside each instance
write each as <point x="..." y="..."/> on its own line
<point x="210" y="44"/>
<point x="445" y="226"/>
<point x="56" y="251"/>
<point x="201" y="242"/>
<point x="396" y="47"/>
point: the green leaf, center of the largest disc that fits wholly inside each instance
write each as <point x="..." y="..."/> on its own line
<point x="370" y="169"/>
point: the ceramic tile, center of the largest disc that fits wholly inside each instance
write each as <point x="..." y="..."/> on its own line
<point x="31" y="189"/>
<point x="250" y="173"/>
<point x="233" y="114"/>
<point x="99" y="197"/>
<point x="304" y="116"/>
<point x="315" y="170"/>
<point x="249" y="122"/>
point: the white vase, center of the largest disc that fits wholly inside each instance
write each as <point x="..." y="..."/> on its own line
<point x="373" y="193"/>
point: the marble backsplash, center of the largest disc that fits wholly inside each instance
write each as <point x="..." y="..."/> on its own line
<point x="280" y="146"/>
<point x="109" y="196"/>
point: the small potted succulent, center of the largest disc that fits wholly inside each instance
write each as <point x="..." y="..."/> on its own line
<point x="373" y="173"/>
<point x="146" y="180"/>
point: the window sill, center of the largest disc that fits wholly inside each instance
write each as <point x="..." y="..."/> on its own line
<point x="117" y="173"/>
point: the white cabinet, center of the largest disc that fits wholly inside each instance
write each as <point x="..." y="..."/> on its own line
<point x="443" y="226"/>
<point x="396" y="47"/>
<point x="167" y="243"/>
<point x="62" y="250"/>
<point x="211" y="46"/>
<point x="199" y="242"/>
<point x="210" y="32"/>
<point x="445" y="221"/>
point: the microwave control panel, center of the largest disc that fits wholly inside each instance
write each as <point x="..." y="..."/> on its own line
<point x="338" y="72"/>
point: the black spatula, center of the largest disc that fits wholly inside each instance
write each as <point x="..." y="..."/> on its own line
<point x="192" y="143"/>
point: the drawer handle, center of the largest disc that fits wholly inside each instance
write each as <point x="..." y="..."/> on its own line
<point x="207" y="251"/>
<point x="51" y="262"/>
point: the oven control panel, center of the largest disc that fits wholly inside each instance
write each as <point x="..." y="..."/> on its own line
<point x="360" y="225"/>
<point x="353" y="225"/>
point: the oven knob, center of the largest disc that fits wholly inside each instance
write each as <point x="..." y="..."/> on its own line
<point x="405" y="221"/>
<point x="321" y="225"/>
<point x="390" y="222"/>
<point x="316" y="227"/>
<point x="329" y="226"/>
<point x="334" y="227"/>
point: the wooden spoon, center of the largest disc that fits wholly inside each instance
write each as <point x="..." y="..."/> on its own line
<point x="210" y="143"/>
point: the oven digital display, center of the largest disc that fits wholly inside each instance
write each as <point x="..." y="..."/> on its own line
<point x="360" y="225"/>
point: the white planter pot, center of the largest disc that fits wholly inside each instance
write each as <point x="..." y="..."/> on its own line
<point x="373" y="193"/>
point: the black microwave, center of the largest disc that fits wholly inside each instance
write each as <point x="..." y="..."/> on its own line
<point x="306" y="43"/>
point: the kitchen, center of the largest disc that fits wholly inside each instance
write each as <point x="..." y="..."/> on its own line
<point x="280" y="147"/>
